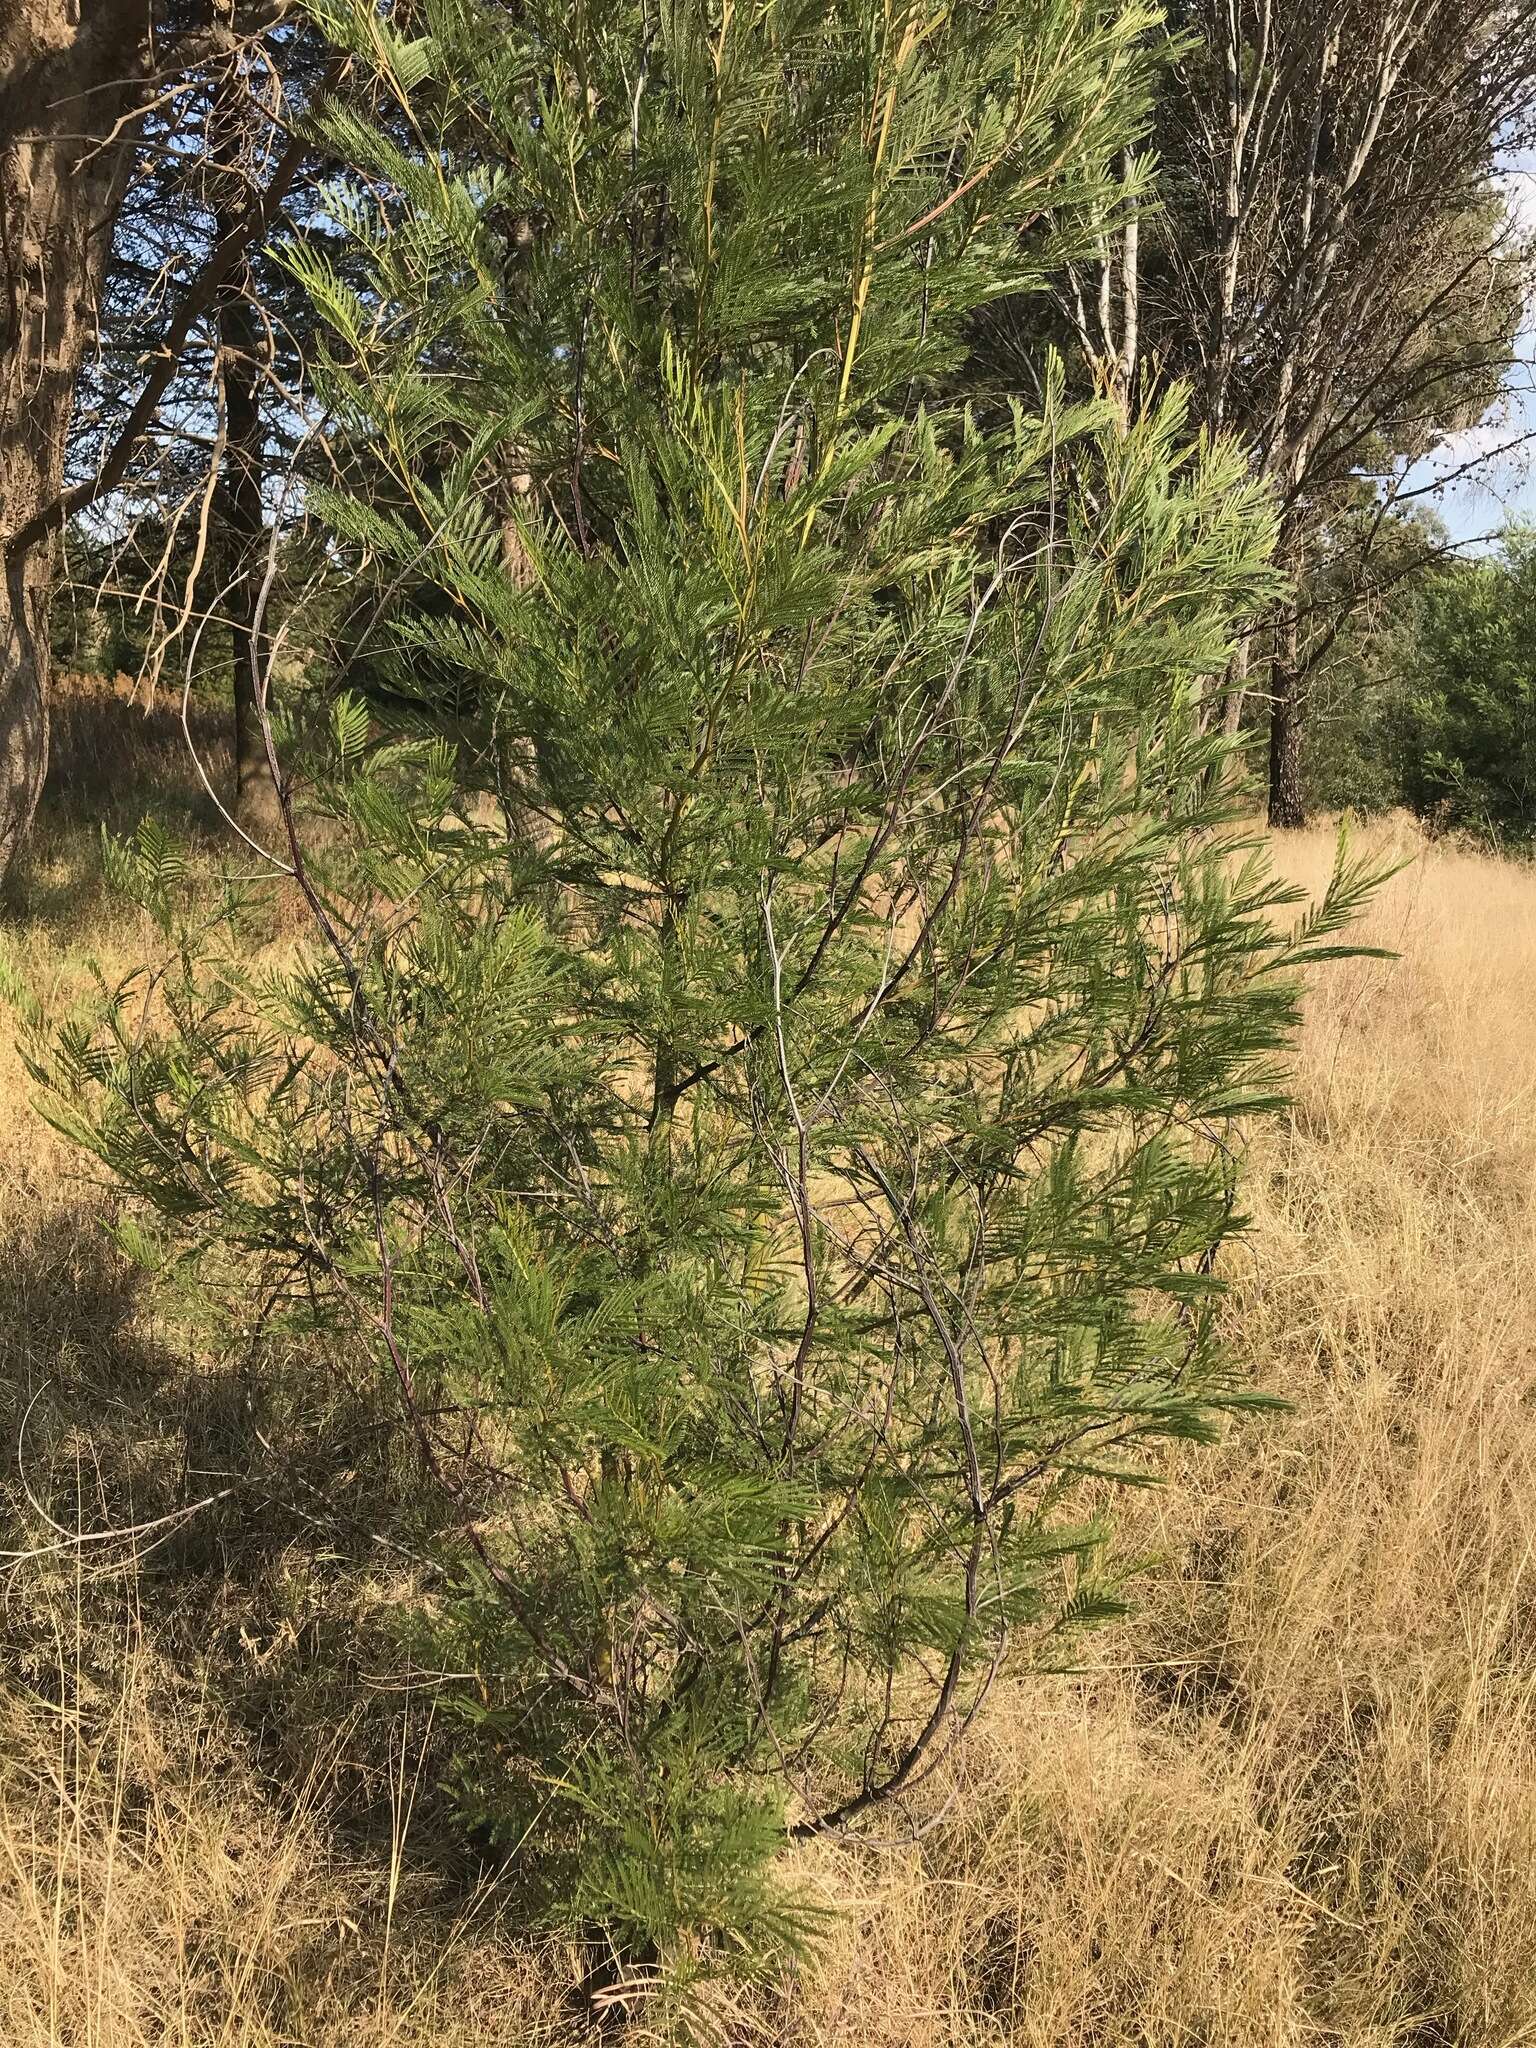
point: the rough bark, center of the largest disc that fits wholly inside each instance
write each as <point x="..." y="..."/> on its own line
<point x="70" y="81"/>
<point x="239" y="507"/>
<point x="242" y="347"/>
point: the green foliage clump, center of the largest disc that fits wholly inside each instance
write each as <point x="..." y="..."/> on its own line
<point x="760" y="1082"/>
<point x="1429" y="699"/>
<point x="1471" y="749"/>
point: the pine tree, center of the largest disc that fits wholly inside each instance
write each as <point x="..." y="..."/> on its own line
<point x="762" y="1082"/>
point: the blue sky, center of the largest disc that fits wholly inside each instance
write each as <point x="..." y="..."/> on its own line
<point x="1501" y="491"/>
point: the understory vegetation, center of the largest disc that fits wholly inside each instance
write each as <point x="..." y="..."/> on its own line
<point x="725" y="1313"/>
<point x="1431" y="703"/>
<point x="748" y="1124"/>
<point x="1292" y="1798"/>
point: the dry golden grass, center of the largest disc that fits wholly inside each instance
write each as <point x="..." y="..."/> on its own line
<point x="1297" y="1800"/>
<point x="1293" y="1802"/>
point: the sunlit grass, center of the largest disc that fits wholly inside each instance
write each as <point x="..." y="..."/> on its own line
<point x="1293" y="1801"/>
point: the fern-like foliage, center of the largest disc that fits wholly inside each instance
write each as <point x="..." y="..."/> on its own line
<point x="761" y="1083"/>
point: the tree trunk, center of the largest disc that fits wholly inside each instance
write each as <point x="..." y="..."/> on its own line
<point x="68" y="73"/>
<point x="1286" y="809"/>
<point x="24" y="665"/>
<point x="1130" y="292"/>
<point x="239" y="505"/>
<point x="1236" y="688"/>
<point x="243" y="349"/>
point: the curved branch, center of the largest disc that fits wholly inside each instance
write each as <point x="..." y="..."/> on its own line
<point x="201" y="294"/>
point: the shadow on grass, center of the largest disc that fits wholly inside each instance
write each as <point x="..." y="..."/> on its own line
<point x="231" y="1508"/>
<point x="233" y="1486"/>
<point x="113" y="757"/>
